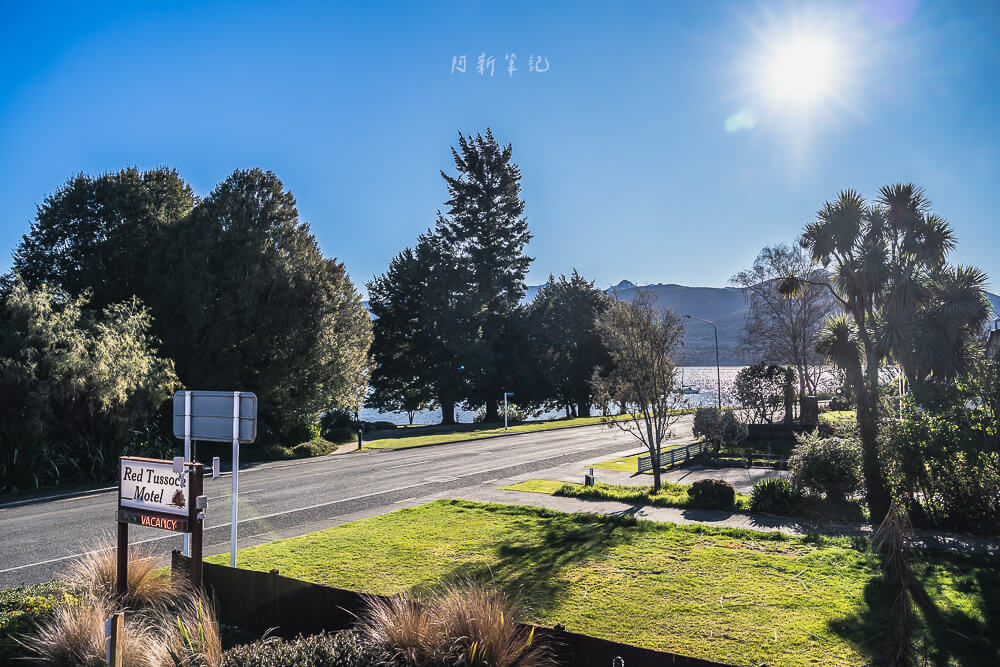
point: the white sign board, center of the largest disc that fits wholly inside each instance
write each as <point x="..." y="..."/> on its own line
<point x="154" y="486"/>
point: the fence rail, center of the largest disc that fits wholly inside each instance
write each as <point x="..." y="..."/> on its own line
<point x="673" y="456"/>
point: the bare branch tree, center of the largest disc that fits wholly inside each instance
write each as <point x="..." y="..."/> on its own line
<point x="782" y="330"/>
<point x="642" y="338"/>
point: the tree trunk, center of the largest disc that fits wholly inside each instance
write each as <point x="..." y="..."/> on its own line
<point x="447" y="412"/>
<point x="654" y="455"/>
<point x="492" y="414"/>
<point x="867" y="395"/>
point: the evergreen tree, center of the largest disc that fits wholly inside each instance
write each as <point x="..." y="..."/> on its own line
<point x="101" y="234"/>
<point x="255" y="306"/>
<point x="568" y="349"/>
<point x="423" y="330"/>
<point x="486" y="227"/>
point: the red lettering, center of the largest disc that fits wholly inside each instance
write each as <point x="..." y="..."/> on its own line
<point x="158" y="522"/>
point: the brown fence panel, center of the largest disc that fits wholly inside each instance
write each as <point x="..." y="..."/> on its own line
<point x="262" y="601"/>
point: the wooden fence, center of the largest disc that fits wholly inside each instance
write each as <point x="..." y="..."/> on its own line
<point x="263" y="601"/>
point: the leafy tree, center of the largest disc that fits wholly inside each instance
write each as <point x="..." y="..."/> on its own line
<point x="760" y="389"/>
<point x="899" y="298"/>
<point x="487" y="230"/>
<point x="100" y="234"/>
<point x="641" y="337"/>
<point x="77" y="387"/>
<point x="782" y="330"/>
<point x="256" y="307"/>
<point x="563" y="324"/>
<point x="828" y="466"/>
<point x="424" y="329"/>
<point x="718" y="427"/>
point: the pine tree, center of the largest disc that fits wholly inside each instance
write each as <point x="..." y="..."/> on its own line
<point x="487" y="231"/>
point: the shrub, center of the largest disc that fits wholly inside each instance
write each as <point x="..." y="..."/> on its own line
<point x="718" y="428"/>
<point x="841" y="403"/>
<point x="74" y="635"/>
<point x="465" y="624"/>
<point x="839" y="423"/>
<point x="712" y="494"/>
<point x="774" y="495"/>
<point x="384" y="426"/>
<point x="338" y="426"/>
<point x="22" y="609"/>
<point x="761" y="390"/>
<point x="95" y="574"/>
<point x="343" y="649"/>
<point x="827" y="466"/>
<point x="315" y="447"/>
<point x="515" y="415"/>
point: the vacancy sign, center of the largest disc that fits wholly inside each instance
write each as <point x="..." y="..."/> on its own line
<point x="161" y="496"/>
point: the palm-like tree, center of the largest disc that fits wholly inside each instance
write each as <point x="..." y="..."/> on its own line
<point x="900" y="299"/>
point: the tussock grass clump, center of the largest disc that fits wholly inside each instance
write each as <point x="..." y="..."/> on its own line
<point x="466" y="623"/>
<point x="95" y="574"/>
<point x="74" y="637"/>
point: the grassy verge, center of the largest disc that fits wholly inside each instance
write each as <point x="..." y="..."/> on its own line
<point x="734" y="596"/>
<point x="669" y="495"/>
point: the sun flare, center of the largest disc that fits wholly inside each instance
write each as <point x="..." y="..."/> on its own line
<point x="801" y="70"/>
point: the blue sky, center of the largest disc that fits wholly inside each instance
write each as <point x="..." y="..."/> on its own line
<point x="655" y="148"/>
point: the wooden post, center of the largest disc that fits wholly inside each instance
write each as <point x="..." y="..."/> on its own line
<point x="113" y="629"/>
<point x="196" y="524"/>
<point x="121" y="582"/>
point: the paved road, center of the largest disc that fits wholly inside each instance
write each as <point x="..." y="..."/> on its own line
<point x="38" y="540"/>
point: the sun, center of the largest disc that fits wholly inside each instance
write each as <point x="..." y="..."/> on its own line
<point x="801" y="70"/>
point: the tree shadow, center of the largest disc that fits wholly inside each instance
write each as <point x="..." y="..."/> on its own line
<point x="943" y="635"/>
<point x="529" y="564"/>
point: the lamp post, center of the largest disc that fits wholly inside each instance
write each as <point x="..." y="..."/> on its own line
<point x="718" y="370"/>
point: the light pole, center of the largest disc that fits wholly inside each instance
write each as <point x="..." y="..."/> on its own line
<point x="718" y="370"/>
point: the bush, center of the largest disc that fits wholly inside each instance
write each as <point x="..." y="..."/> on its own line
<point x="826" y="466"/>
<point x="515" y="415"/>
<point x="384" y="426"/>
<point x="839" y="423"/>
<point x="774" y="495"/>
<point x="840" y="403"/>
<point x="712" y="494"/>
<point x="465" y="624"/>
<point x="315" y="447"/>
<point x="761" y="390"/>
<point x="338" y="426"/>
<point x="22" y="609"/>
<point x="719" y="428"/>
<point x="343" y="649"/>
<point x="95" y="574"/>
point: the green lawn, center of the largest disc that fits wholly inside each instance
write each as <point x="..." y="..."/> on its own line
<point x="623" y="464"/>
<point x="735" y="596"/>
<point x="669" y="495"/>
<point x="414" y="436"/>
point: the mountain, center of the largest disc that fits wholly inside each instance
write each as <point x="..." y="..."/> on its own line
<point x="726" y="306"/>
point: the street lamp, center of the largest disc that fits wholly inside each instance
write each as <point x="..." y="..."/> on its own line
<point x="718" y="370"/>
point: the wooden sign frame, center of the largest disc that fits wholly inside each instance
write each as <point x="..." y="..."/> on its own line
<point x="192" y="523"/>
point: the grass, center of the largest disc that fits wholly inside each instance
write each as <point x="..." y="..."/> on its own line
<point x="669" y="495"/>
<point x="735" y="596"/>
<point x="415" y="436"/>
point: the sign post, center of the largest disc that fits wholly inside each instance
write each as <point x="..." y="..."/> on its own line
<point x="220" y="416"/>
<point x="505" y="395"/>
<point x="160" y="494"/>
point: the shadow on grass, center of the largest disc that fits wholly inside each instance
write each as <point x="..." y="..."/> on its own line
<point x="529" y="565"/>
<point x="944" y="634"/>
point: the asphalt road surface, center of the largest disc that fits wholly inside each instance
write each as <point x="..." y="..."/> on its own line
<point x="39" y="539"/>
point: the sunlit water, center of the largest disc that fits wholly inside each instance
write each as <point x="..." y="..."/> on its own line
<point x="702" y="378"/>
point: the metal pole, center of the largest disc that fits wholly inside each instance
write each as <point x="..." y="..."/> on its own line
<point x="236" y="478"/>
<point x="505" y="411"/>
<point x="718" y="370"/>
<point x="187" y="456"/>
